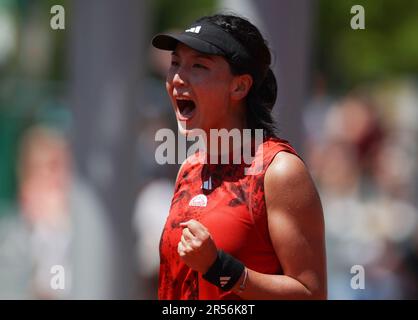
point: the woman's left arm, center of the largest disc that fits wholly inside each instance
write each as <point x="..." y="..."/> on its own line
<point x="296" y="226"/>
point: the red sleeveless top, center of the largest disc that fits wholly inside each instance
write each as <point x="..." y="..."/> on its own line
<point x="231" y="205"/>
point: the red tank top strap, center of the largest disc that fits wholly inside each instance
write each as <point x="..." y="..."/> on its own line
<point x="267" y="151"/>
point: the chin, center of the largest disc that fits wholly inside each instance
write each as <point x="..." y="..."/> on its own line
<point x="188" y="131"/>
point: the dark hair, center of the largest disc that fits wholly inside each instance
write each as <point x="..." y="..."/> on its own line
<point x="263" y="94"/>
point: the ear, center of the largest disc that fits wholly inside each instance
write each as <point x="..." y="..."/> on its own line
<point x="241" y="85"/>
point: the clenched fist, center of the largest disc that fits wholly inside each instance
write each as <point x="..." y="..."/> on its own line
<point x="196" y="246"/>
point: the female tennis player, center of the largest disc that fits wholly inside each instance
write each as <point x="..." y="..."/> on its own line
<point x="232" y="235"/>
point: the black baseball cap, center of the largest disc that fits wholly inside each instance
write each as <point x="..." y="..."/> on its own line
<point x="206" y="38"/>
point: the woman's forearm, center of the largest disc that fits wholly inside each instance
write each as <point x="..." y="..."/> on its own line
<point x="259" y="286"/>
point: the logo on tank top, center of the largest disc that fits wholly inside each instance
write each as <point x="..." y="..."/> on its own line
<point x="199" y="201"/>
<point x="224" y="280"/>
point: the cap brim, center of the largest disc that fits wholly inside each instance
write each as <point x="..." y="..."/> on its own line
<point x="170" y="41"/>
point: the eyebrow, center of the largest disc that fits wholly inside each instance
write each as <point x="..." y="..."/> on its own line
<point x="198" y="55"/>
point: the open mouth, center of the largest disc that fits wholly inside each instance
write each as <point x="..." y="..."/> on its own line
<point x="186" y="107"/>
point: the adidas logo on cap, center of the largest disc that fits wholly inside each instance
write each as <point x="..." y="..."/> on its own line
<point x="194" y="29"/>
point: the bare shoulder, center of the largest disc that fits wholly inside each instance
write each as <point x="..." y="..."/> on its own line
<point x="288" y="184"/>
<point x="288" y="173"/>
<point x="286" y="164"/>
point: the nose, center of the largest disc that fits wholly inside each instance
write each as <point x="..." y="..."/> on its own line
<point x="180" y="78"/>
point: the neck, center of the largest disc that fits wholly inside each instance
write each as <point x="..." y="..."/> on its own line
<point x="224" y="144"/>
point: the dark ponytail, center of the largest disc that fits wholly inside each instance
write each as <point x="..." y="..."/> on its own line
<point x="260" y="103"/>
<point x="262" y="96"/>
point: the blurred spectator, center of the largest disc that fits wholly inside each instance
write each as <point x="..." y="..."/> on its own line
<point x="354" y="120"/>
<point x="60" y="223"/>
<point x="44" y="182"/>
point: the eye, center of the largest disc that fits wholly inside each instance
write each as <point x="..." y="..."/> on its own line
<point x="174" y="63"/>
<point x="199" y="66"/>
